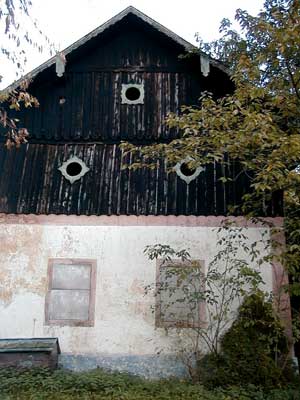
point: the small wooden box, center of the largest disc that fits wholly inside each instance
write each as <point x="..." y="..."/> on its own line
<point x="29" y="353"/>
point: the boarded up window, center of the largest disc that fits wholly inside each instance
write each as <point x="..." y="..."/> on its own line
<point x="71" y="292"/>
<point x="180" y="294"/>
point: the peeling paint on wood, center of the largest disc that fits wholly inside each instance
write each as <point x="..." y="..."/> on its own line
<point x="38" y="187"/>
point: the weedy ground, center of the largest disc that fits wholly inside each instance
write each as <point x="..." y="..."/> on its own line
<point x="42" y="384"/>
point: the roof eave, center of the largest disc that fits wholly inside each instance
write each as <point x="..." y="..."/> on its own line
<point x="189" y="47"/>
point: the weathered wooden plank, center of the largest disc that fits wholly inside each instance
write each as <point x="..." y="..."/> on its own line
<point x="31" y="183"/>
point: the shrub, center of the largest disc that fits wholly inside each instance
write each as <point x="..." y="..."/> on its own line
<point x="253" y="351"/>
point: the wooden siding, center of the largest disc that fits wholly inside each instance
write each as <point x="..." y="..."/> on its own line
<point x="92" y="121"/>
<point x="31" y="183"/>
<point x="91" y="86"/>
<point x="93" y="110"/>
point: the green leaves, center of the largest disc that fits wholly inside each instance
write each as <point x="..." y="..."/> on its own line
<point x="101" y="385"/>
<point x="258" y="125"/>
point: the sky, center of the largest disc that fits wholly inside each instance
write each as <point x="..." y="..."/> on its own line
<point x="65" y="21"/>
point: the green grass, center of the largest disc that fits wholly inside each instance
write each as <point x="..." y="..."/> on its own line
<point x="42" y="384"/>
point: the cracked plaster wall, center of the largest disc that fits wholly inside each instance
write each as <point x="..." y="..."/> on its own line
<point x="124" y="322"/>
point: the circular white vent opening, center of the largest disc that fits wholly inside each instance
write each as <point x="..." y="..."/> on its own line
<point x="73" y="169"/>
<point x="186" y="172"/>
<point x="132" y="93"/>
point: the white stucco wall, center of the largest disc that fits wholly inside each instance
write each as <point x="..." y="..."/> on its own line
<point x="124" y="322"/>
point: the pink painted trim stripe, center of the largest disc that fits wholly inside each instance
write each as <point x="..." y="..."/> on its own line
<point x="280" y="279"/>
<point x="132" y="220"/>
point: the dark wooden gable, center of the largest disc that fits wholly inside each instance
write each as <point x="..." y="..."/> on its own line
<point x="130" y="51"/>
<point x="92" y="121"/>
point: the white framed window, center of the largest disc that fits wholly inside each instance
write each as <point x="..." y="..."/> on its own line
<point x="73" y="169"/>
<point x="132" y="93"/>
<point x="186" y="172"/>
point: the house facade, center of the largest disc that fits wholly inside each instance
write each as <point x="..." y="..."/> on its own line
<point x="75" y="223"/>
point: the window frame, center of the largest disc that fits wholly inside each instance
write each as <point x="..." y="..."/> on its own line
<point x="73" y="178"/>
<point x="126" y="86"/>
<point x="159" y="320"/>
<point x="91" y="310"/>
<point x="188" y="178"/>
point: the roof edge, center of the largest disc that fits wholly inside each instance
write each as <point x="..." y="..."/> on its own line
<point x="189" y="47"/>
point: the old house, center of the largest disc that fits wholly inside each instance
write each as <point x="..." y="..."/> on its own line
<point x="74" y="224"/>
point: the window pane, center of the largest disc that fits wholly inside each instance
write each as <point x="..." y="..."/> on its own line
<point x="68" y="276"/>
<point x="69" y="304"/>
<point x="180" y="289"/>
